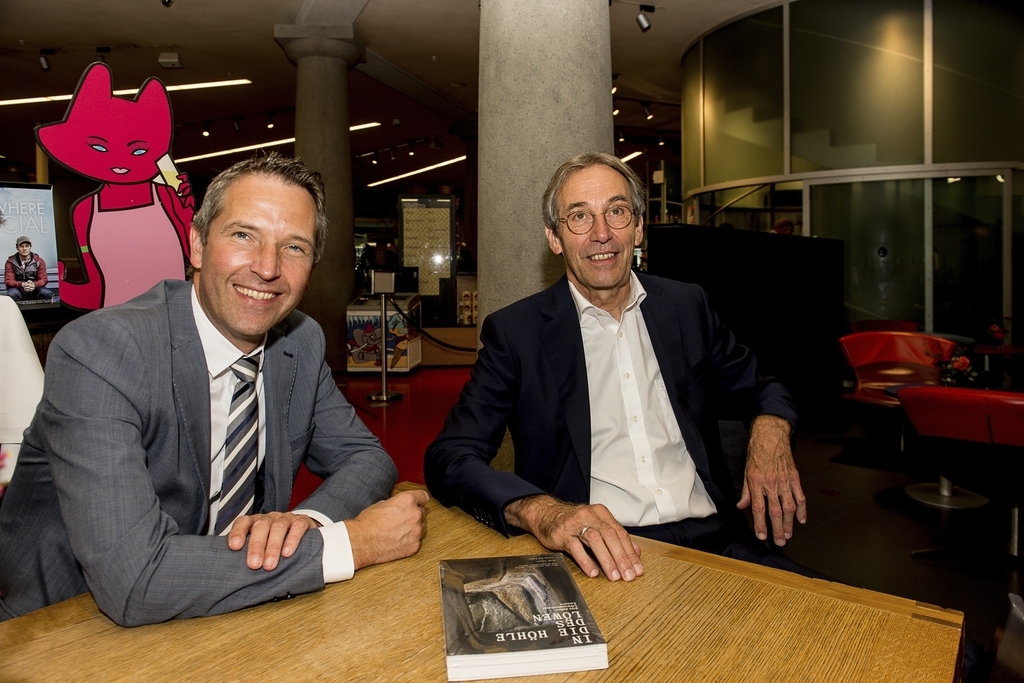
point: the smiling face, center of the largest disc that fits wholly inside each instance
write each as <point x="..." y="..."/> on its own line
<point x="598" y="262"/>
<point x="256" y="262"/>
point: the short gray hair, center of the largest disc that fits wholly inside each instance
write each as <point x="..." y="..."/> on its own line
<point x="637" y="191"/>
<point x="286" y="169"/>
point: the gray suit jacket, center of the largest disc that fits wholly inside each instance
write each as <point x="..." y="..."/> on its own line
<point x="111" y="489"/>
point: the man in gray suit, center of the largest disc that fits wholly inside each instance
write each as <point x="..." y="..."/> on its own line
<point x="122" y="484"/>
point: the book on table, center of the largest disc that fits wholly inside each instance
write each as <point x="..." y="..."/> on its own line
<point x="516" y="616"/>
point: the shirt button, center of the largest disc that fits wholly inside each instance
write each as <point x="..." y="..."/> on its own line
<point x="658" y="491"/>
<point x="643" y="458"/>
<point x="635" y="418"/>
<point x="620" y="335"/>
<point x="627" y="375"/>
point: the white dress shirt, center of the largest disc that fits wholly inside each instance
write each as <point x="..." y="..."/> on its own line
<point x="338" y="563"/>
<point x="639" y="468"/>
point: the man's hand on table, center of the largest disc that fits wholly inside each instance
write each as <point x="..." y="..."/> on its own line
<point x="574" y="528"/>
<point x="389" y="530"/>
<point x="771" y="475"/>
<point x="271" y="537"/>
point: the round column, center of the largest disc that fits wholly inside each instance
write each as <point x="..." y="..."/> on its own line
<point x="322" y="142"/>
<point x="545" y="95"/>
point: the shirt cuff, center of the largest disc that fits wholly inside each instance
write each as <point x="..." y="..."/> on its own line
<point x="338" y="563"/>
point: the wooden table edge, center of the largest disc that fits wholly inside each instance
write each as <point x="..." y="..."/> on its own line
<point x="860" y="596"/>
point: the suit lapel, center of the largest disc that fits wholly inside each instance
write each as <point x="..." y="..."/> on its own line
<point x="563" y="347"/>
<point x="279" y="368"/>
<point x="191" y="383"/>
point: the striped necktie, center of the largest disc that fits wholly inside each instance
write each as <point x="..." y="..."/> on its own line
<point x="241" y="450"/>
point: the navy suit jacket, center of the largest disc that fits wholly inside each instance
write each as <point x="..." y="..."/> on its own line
<point x="531" y="376"/>
<point x="111" y="488"/>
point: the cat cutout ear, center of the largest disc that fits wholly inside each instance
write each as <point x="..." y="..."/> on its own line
<point x="94" y="87"/>
<point x="155" y="106"/>
<point x="93" y="92"/>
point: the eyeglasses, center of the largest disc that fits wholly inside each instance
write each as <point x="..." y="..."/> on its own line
<point x="580" y="221"/>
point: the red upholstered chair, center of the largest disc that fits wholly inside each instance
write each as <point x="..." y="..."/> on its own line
<point x="1006" y="422"/>
<point x="879" y="325"/>
<point x="884" y="359"/>
<point x="1006" y="415"/>
<point x="947" y="413"/>
<point x="977" y="415"/>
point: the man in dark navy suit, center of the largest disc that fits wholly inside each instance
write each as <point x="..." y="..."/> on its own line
<point x="611" y="384"/>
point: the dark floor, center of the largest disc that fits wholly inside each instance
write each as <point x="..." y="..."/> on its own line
<point x="861" y="525"/>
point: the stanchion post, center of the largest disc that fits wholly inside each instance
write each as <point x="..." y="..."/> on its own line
<point x="383" y="284"/>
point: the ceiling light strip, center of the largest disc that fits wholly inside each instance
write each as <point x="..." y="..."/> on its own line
<point x="262" y="145"/>
<point x="132" y="91"/>
<point x="363" y="126"/>
<point x="236" y="149"/>
<point x="628" y="157"/>
<point x="422" y="170"/>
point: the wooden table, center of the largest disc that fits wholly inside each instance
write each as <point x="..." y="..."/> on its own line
<point x="691" y="617"/>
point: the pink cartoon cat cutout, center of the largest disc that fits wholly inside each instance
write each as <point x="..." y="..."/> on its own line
<point x="133" y="231"/>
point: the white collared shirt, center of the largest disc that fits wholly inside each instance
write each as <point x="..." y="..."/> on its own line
<point x="640" y="468"/>
<point x="338" y="563"/>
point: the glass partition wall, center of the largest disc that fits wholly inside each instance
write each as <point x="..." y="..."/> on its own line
<point x="894" y="125"/>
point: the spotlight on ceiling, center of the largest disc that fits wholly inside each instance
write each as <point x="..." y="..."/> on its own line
<point x="375" y="159"/>
<point x="270" y="120"/>
<point x="44" y="63"/>
<point x="237" y="123"/>
<point x="412" y="149"/>
<point x="167" y="3"/>
<point x="647" y="110"/>
<point x="622" y="138"/>
<point x="661" y="141"/>
<point x="392" y="152"/>
<point x="641" y="19"/>
<point x="206" y="129"/>
<point x="615" y="109"/>
<point x="101" y="54"/>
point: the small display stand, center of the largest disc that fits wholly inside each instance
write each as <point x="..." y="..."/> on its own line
<point x="404" y="350"/>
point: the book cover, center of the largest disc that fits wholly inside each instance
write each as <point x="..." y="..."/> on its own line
<point x="516" y="616"/>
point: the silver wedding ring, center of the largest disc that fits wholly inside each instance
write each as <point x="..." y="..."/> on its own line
<point x="583" y="532"/>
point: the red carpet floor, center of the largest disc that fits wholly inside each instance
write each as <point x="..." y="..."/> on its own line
<point x="405" y="427"/>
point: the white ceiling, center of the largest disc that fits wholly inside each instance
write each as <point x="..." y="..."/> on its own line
<point x="434" y="41"/>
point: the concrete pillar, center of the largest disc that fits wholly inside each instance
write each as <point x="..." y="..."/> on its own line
<point x="545" y="95"/>
<point x="323" y="56"/>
